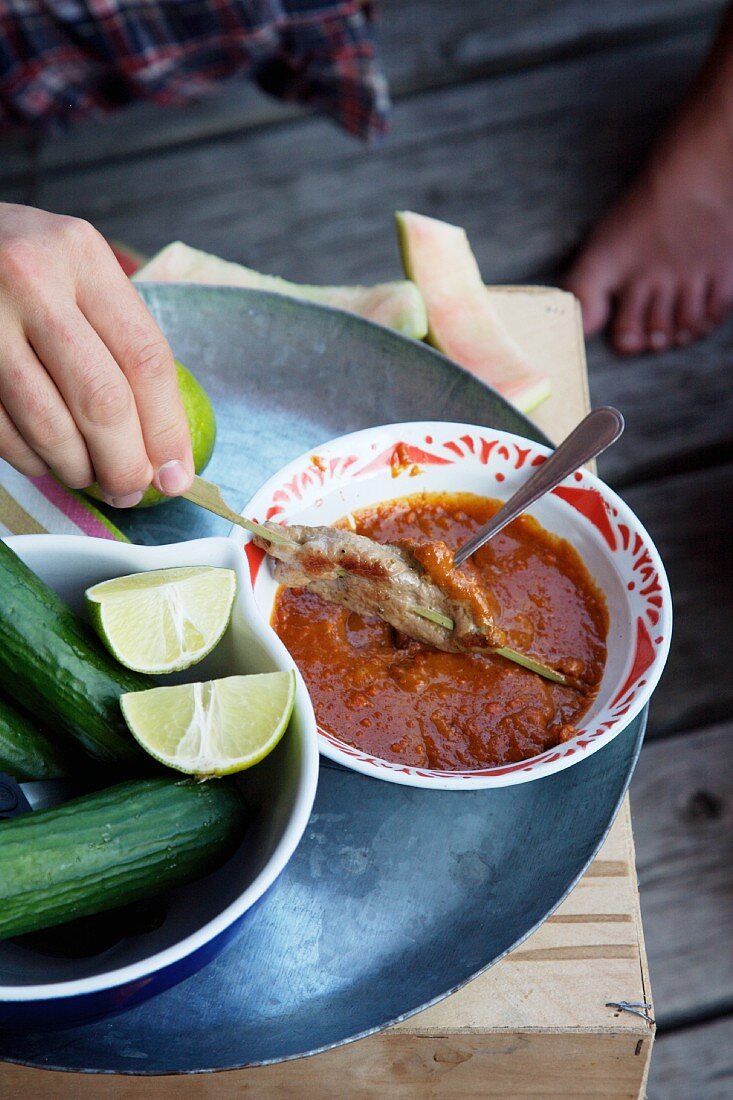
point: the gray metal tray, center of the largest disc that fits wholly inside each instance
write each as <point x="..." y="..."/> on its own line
<point x="395" y="897"/>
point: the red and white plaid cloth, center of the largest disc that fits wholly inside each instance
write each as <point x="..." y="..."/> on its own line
<point x="63" y="59"/>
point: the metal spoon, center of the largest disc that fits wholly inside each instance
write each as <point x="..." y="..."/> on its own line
<point x="598" y="430"/>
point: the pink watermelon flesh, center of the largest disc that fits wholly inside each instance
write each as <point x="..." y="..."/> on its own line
<point x="462" y="322"/>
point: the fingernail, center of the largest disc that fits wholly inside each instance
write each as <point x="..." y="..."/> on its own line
<point x="658" y="340"/>
<point x="173" y="478"/>
<point x="128" y="501"/>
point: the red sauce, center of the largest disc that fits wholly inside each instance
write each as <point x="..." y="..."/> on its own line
<point x="405" y="702"/>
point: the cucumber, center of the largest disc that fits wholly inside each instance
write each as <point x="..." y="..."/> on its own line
<point x="116" y="846"/>
<point x="25" y="752"/>
<point x="54" y="666"/>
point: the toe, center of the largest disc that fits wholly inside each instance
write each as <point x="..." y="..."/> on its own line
<point x="592" y="284"/>
<point x="690" y="320"/>
<point x="719" y="301"/>
<point x="660" y="318"/>
<point x="629" y="322"/>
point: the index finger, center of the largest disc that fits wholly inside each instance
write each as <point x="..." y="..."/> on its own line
<point x="119" y="316"/>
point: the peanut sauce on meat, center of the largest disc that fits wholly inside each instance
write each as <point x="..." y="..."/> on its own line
<point x="409" y="703"/>
<point x="436" y="558"/>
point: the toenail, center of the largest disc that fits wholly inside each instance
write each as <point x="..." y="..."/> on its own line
<point x="657" y="339"/>
<point x="629" y="341"/>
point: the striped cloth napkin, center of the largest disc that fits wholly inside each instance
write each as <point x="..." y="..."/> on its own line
<point x="40" y="505"/>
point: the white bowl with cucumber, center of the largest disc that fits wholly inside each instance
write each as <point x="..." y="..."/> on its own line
<point x="231" y="837"/>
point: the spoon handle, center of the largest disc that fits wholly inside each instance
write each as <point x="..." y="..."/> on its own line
<point x="597" y="431"/>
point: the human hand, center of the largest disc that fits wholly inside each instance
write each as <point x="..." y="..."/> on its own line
<point x="88" y="386"/>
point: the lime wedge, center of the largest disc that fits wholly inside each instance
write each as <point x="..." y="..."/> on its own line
<point x="165" y="620"/>
<point x="214" y="728"/>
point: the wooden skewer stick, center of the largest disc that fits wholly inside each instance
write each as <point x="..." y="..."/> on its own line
<point x="503" y="651"/>
<point x="208" y="495"/>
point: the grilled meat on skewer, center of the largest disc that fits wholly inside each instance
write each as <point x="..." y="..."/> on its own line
<point x="388" y="581"/>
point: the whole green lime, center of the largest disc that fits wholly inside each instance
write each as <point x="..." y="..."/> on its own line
<point x="202" y="425"/>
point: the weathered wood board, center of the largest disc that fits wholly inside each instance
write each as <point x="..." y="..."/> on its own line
<point x="691" y="521"/>
<point x="465" y="42"/>
<point x="524" y="161"/>
<point x="683" y="819"/>
<point x="508" y="157"/>
<point x="464" y="1067"/>
<point x="696" y="1064"/>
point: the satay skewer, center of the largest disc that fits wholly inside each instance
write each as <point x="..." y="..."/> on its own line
<point x="278" y="541"/>
<point x="361" y="574"/>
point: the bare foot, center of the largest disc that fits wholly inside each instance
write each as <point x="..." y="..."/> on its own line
<point x="659" y="266"/>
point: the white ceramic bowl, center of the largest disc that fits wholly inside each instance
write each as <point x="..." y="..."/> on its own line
<point x="361" y="469"/>
<point x="38" y="989"/>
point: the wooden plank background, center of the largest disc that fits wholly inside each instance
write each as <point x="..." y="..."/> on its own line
<point x="520" y="121"/>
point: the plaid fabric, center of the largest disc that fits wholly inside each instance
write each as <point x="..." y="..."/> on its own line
<point x="62" y="59"/>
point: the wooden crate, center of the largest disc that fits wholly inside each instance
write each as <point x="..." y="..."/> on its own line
<point x="537" y="1026"/>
